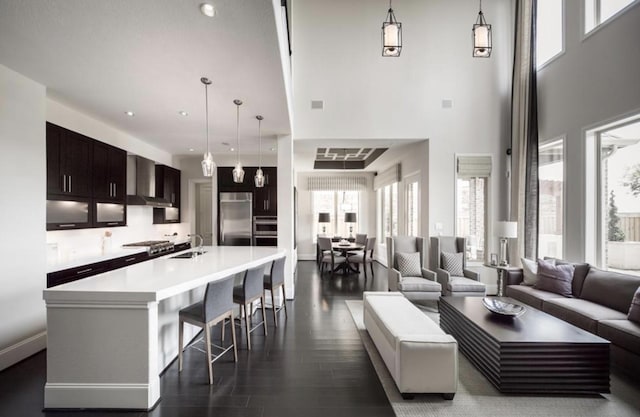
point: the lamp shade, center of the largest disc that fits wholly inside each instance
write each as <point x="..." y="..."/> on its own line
<point x="324" y="218"/>
<point x="350" y="217"/>
<point x="507" y="229"/>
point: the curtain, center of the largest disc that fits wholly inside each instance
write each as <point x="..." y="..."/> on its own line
<point x="346" y="183"/>
<point x="524" y="134"/>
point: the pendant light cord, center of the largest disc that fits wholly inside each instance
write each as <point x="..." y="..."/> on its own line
<point x="237" y="134"/>
<point x="260" y="143"/>
<point x="206" y="107"/>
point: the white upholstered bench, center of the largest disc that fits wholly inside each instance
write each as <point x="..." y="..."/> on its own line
<point x="419" y="355"/>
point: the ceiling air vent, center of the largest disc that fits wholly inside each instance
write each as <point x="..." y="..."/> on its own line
<point x="317" y="104"/>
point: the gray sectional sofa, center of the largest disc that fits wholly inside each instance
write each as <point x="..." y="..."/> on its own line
<point x="600" y="303"/>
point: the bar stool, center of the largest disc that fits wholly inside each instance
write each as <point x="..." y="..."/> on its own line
<point x="245" y="294"/>
<point x="216" y="306"/>
<point x="273" y="281"/>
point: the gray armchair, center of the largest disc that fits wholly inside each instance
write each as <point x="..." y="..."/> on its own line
<point x="415" y="288"/>
<point x="466" y="285"/>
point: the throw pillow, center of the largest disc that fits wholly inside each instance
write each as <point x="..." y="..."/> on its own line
<point x="634" y="310"/>
<point x="555" y="278"/>
<point x="409" y="264"/>
<point x="530" y="270"/>
<point x="452" y="263"/>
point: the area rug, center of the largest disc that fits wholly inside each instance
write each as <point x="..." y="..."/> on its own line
<point x="477" y="397"/>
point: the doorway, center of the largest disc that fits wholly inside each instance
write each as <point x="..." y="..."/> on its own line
<point x="204" y="212"/>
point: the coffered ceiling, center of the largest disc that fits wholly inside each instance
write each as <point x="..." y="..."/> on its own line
<point x="105" y="58"/>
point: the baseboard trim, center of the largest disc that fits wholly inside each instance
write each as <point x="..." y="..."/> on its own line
<point x="15" y="353"/>
<point x="101" y="396"/>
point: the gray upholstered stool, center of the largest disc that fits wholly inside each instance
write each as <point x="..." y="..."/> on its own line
<point x="273" y="281"/>
<point x="246" y="293"/>
<point x="216" y="306"/>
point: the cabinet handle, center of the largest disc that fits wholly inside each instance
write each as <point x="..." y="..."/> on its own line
<point x="115" y="189"/>
<point x="112" y="224"/>
<point x="64" y="183"/>
<point x="84" y="270"/>
<point x="130" y="259"/>
<point x="67" y="225"/>
<point x="69" y="183"/>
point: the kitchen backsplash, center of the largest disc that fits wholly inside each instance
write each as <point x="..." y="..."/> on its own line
<point x="75" y="244"/>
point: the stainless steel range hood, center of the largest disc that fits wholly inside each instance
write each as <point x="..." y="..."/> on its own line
<point x="141" y="183"/>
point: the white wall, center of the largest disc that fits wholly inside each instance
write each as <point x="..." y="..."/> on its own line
<point x="22" y="185"/>
<point x="594" y="81"/>
<point x="367" y="221"/>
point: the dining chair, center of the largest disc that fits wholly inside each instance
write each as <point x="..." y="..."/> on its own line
<point x="244" y="294"/>
<point x="365" y="257"/>
<point x="273" y="281"/>
<point x="216" y="306"/>
<point x="329" y="255"/>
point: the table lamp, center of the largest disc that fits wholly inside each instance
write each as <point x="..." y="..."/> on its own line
<point x="324" y="219"/>
<point x="350" y="218"/>
<point x="505" y="230"/>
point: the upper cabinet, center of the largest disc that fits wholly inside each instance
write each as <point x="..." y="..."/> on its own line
<point x="68" y="162"/>
<point x="167" y="187"/>
<point x="109" y="173"/>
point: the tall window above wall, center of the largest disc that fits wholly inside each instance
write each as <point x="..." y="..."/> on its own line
<point x="472" y="197"/>
<point x="549" y="30"/>
<point x="551" y="201"/>
<point x="597" y="12"/>
<point x="386" y="185"/>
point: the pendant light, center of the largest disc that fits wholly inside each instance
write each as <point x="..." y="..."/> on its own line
<point x="259" y="178"/>
<point x="208" y="166"/>
<point x="481" y="35"/>
<point x="391" y="35"/>
<point x="238" y="172"/>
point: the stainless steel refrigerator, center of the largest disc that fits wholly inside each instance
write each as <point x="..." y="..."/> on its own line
<point x="234" y="219"/>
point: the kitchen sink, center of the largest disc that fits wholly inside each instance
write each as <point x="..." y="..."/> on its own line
<point x="189" y="255"/>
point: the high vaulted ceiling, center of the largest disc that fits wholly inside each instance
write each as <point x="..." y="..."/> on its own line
<point x="147" y="56"/>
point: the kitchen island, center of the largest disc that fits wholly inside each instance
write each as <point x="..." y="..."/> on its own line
<point x="110" y="335"/>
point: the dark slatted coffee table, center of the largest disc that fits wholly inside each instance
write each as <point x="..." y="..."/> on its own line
<point x="533" y="353"/>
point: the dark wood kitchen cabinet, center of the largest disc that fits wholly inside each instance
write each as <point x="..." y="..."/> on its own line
<point x="265" y="199"/>
<point x="69" y="157"/>
<point x="109" y="173"/>
<point x="167" y="187"/>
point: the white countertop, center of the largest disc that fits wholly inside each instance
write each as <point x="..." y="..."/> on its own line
<point x="163" y="277"/>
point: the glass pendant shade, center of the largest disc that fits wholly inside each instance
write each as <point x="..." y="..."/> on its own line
<point x="238" y="173"/>
<point x="259" y="178"/>
<point x="208" y="166"/>
<point x="391" y="35"/>
<point x="481" y="36"/>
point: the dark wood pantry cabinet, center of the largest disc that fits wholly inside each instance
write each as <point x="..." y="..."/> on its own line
<point x="265" y="199"/>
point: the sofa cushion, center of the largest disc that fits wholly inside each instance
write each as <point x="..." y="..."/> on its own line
<point x="530" y="295"/>
<point x="411" y="284"/>
<point x="582" y="313"/>
<point x="409" y="264"/>
<point x="529" y="271"/>
<point x="623" y="333"/>
<point x="610" y="289"/>
<point x="453" y="263"/>
<point x="462" y="284"/>
<point x="580" y="273"/>
<point x="555" y="278"/>
<point x="634" y="310"/>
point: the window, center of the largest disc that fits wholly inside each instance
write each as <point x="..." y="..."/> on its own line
<point x="551" y="202"/>
<point x="336" y="203"/>
<point x="388" y="199"/>
<point x="620" y="198"/>
<point x="472" y="191"/>
<point x="413" y="208"/>
<point x="597" y="12"/>
<point x="549" y="30"/>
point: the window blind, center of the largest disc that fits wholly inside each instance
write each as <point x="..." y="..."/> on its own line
<point x="387" y="177"/>
<point x="350" y="183"/>
<point x="473" y="166"/>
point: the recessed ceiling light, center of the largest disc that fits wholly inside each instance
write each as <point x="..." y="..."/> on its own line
<point x="207" y="9"/>
<point x="190" y="149"/>
<point x="273" y="149"/>
<point x="232" y="149"/>
<point x="130" y="113"/>
<point x="183" y="113"/>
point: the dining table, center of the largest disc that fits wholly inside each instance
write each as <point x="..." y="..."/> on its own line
<point x="344" y="249"/>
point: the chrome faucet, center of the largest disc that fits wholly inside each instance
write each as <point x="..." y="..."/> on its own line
<point x="199" y="250"/>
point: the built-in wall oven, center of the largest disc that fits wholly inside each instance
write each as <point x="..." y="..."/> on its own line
<point x="265" y="231"/>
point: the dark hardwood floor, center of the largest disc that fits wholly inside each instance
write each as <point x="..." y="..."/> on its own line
<point x="312" y="365"/>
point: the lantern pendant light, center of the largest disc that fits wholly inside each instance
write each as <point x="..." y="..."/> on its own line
<point x="238" y="172"/>
<point x="259" y="178"/>
<point x="481" y="35"/>
<point x="208" y="166"/>
<point x="391" y="35"/>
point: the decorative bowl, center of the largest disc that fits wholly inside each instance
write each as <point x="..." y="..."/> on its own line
<point x="503" y="308"/>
